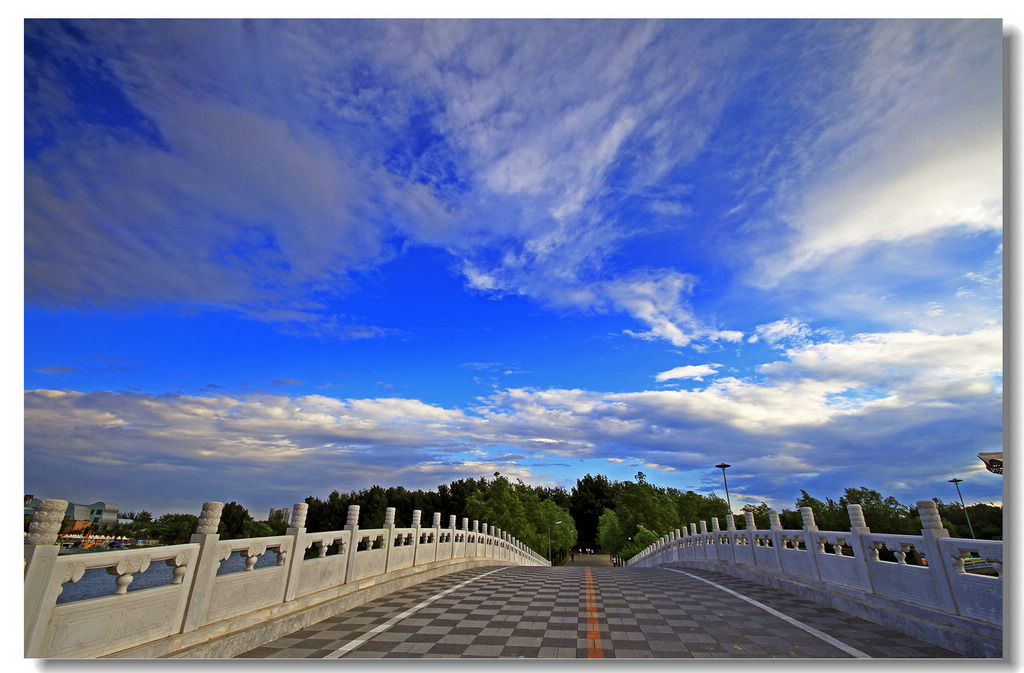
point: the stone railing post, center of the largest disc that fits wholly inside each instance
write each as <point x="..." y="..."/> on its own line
<point x="389" y="536"/>
<point x="417" y="515"/>
<point x="206" y="568"/>
<point x="775" y="524"/>
<point x="940" y="566"/>
<point x="297" y="529"/>
<point x="352" y="526"/>
<point x="451" y="533"/>
<point x="40" y="556"/>
<point x="810" y="528"/>
<point x="730" y="533"/>
<point x="465" y="536"/>
<point x="715" y="535"/>
<point x="751" y="535"/>
<point x="861" y="552"/>
<point x="436" y="525"/>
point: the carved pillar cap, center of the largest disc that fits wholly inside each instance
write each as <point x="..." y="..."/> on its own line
<point x="730" y="522"/>
<point x="856" y="517"/>
<point x="465" y="523"/>
<point x="929" y="512"/>
<point x="210" y="518"/>
<point x="808" y="516"/>
<point x="353" y="517"/>
<point x="389" y="516"/>
<point x="749" y="517"/>
<point x="703" y="527"/>
<point x="693" y="529"/>
<point x="46" y="521"/>
<point x="773" y="518"/>
<point x="476" y="526"/>
<point x="451" y="521"/>
<point x="299" y="515"/>
<point x="416" y="516"/>
<point x="437" y="520"/>
<point x="714" y="524"/>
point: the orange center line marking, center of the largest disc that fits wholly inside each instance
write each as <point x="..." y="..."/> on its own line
<point x="594" y="650"/>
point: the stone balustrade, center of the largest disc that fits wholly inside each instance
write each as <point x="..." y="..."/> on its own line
<point x="201" y="612"/>
<point x="920" y="585"/>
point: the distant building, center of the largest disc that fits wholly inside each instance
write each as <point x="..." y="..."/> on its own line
<point x="99" y="515"/>
<point x="277" y="514"/>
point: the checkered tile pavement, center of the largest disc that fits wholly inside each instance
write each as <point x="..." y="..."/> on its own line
<point x="633" y="613"/>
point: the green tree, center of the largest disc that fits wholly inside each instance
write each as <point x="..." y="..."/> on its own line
<point x="829" y="515"/>
<point x="986" y="520"/>
<point x="499" y="506"/>
<point x="233" y="521"/>
<point x="883" y="515"/>
<point x="258" y="529"/>
<point x="761" y="517"/>
<point x="694" y="507"/>
<point x="588" y="501"/>
<point x="641" y="503"/>
<point x="175" y="528"/>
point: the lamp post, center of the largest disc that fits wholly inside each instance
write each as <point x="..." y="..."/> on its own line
<point x="956" y="482"/>
<point x="722" y="466"/>
<point x="550" y="526"/>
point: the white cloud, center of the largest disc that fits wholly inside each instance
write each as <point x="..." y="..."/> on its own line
<point x="784" y="331"/>
<point x="917" y="149"/>
<point x="697" y="372"/>
<point x="824" y="407"/>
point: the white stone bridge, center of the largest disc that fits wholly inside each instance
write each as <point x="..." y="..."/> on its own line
<point x="475" y="591"/>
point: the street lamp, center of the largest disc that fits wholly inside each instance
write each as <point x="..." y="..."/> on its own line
<point x="722" y="466"/>
<point x="550" y="526"/>
<point x="956" y="482"/>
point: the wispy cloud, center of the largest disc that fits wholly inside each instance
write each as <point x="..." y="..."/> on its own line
<point x="875" y="173"/>
<point x="697" y="372"/>
<point x="913" y="388"/>
<point x="822" y="195"/>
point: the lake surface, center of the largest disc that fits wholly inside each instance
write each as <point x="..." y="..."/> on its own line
<point x="97" y="582"/>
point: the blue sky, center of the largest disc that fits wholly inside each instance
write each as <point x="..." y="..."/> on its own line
<point x="265" y="260"/>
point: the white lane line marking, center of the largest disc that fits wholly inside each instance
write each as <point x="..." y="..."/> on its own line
<point x="852" y="651"/>
<point x="353" y="644"/>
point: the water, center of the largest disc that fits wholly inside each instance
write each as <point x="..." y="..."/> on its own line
<point x="97" y="582"/>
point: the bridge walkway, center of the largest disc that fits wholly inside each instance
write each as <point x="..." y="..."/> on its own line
<point x="593" y="612"/>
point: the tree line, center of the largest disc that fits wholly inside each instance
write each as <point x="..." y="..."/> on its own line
<point x="177" y="528"/>
<point x="537" y="516"/>
<point x="637" y="514"/>
<point x="620" y="518"/>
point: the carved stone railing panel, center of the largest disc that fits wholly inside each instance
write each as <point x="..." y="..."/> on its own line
<point x="197" y="595"/>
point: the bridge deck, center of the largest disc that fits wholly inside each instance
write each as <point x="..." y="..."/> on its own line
<point x="581" y="612"/>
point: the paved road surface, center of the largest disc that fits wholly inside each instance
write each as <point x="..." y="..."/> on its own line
<point x="590" y="612"/>
<point x="590" y="561"/>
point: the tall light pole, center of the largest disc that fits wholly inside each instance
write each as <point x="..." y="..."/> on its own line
<point x="550" y="526"/>
<point x="956" y="482"/>
<point x="722" y="466"/>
